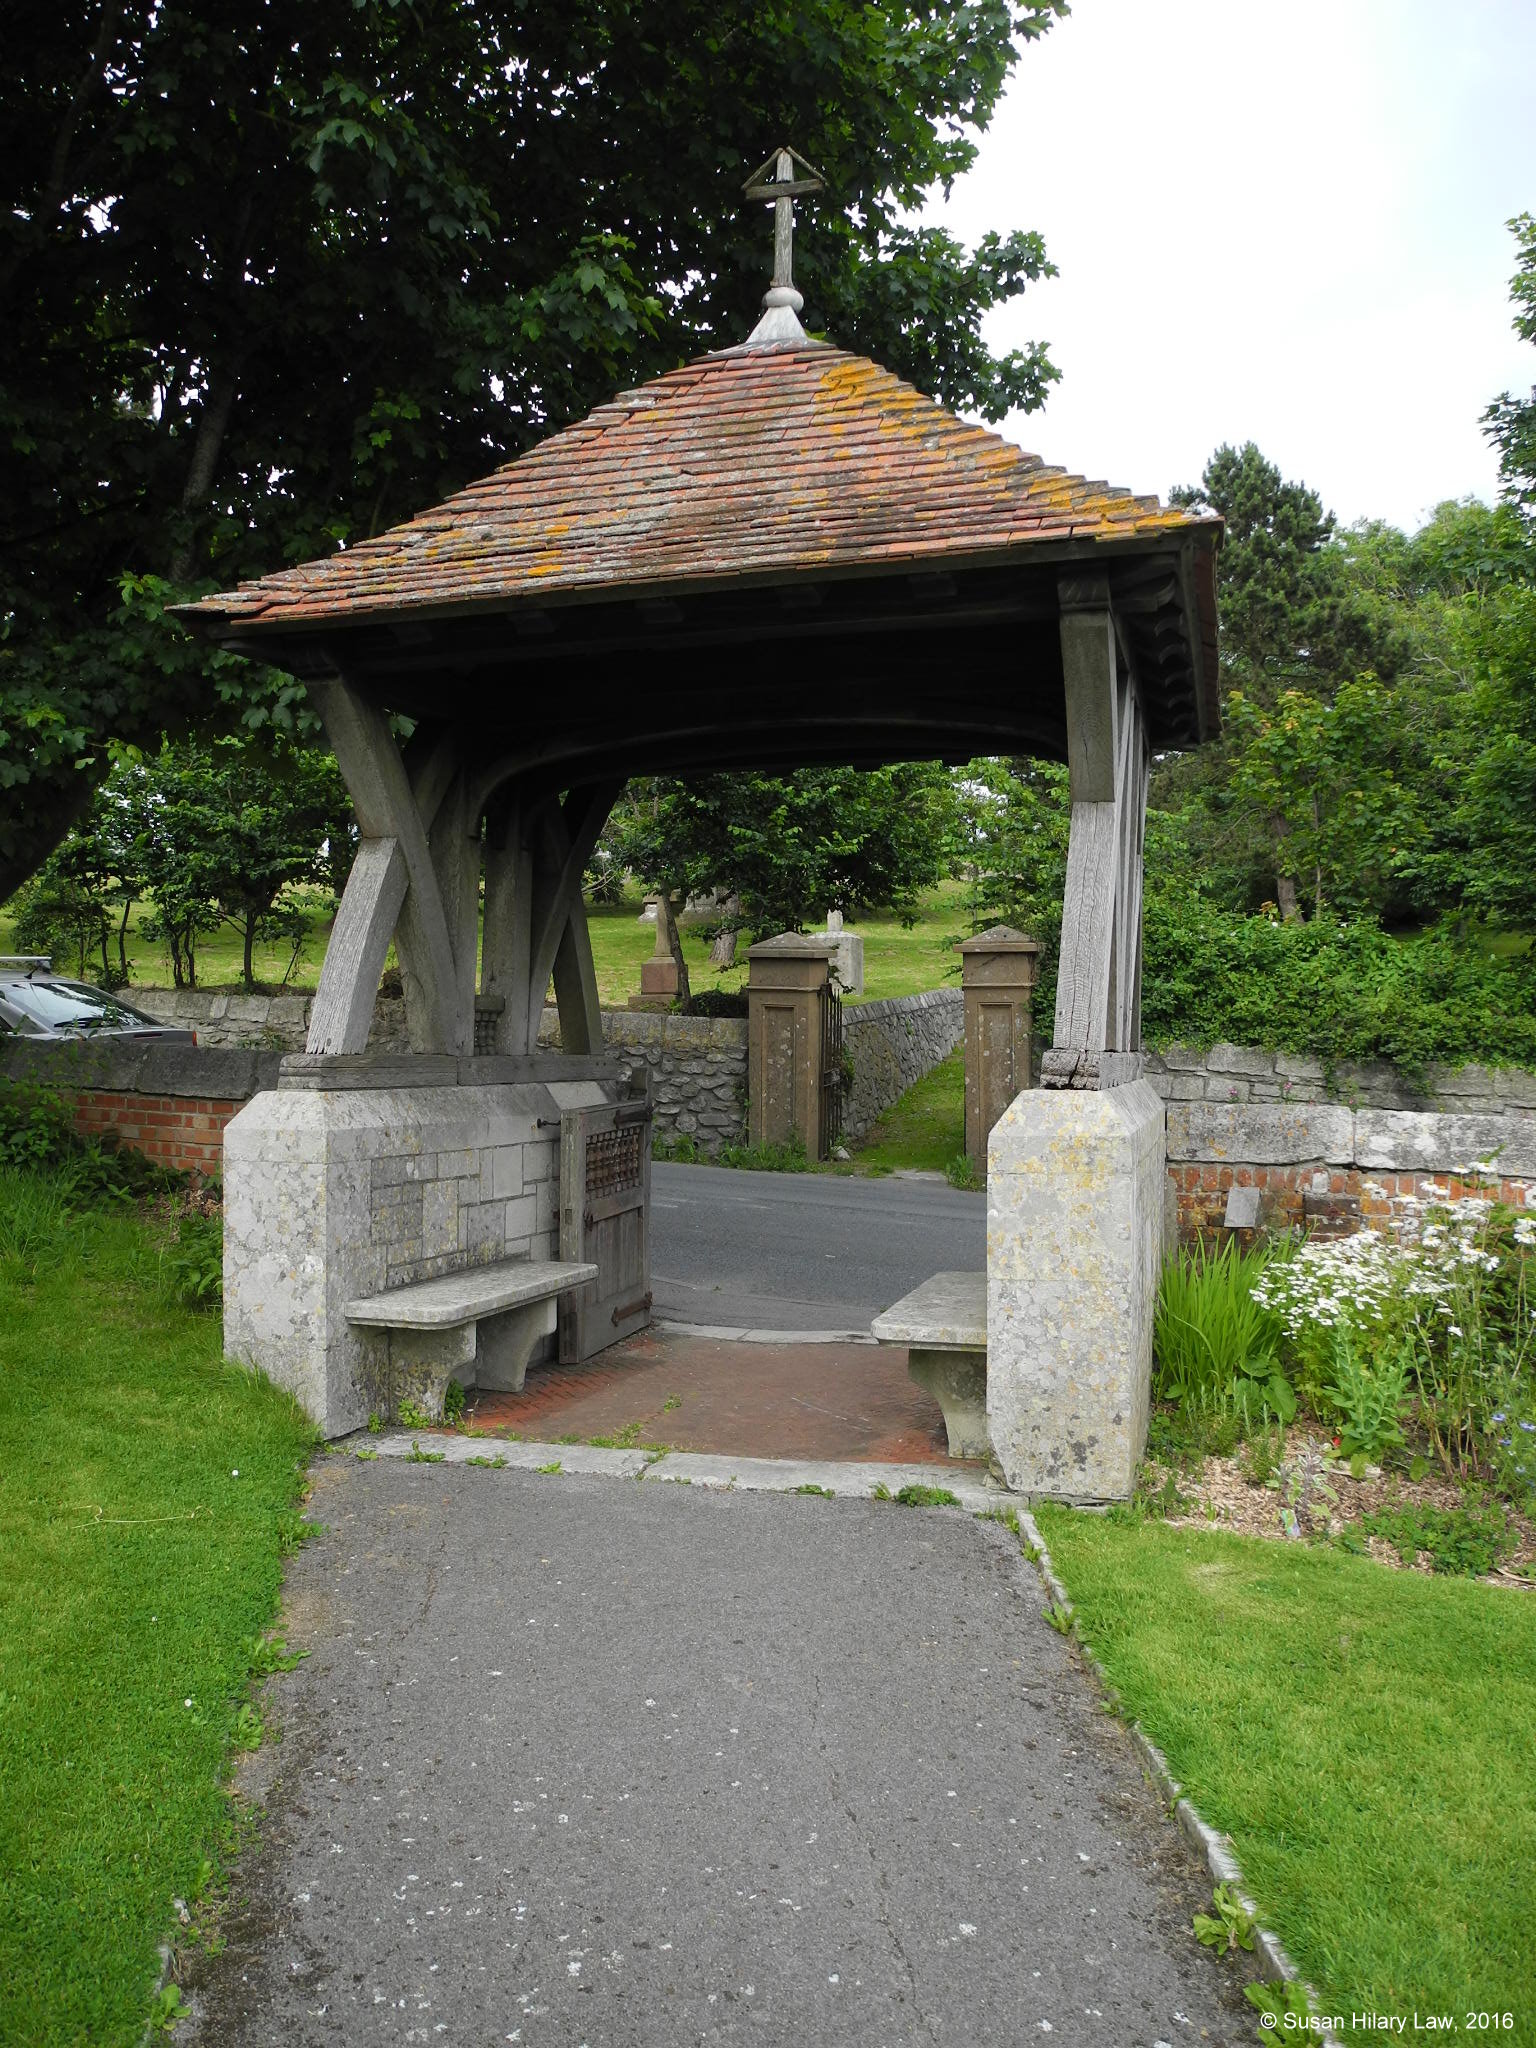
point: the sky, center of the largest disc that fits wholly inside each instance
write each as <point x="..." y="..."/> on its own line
<point x="1277" y="224"/>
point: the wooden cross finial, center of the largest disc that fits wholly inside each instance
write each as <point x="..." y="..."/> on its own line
<point x="784" y="178"/>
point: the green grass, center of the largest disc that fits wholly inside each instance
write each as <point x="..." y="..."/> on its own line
<point x="925" y="1128"/>
<point x="897" y="961"/>
<point x="138" y="1568"/>
<point x="1366" y="1737"/>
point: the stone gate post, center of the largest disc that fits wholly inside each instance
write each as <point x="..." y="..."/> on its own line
<point x="786" y="980"/>
<point x="998" y="969"/>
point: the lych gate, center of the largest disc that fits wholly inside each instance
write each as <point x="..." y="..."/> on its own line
<point x="776" y="555"/>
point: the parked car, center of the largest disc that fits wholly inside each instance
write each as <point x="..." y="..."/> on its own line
<point x="37" y="1003"/>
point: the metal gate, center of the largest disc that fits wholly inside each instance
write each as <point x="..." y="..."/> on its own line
<point x="605" y="1191"/>
<point x="831" y="1119"/>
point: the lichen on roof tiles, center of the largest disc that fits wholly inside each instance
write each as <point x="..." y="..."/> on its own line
<point x="741" y="462"/>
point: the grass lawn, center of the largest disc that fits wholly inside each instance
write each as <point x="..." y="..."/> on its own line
<point x="924" y="1128"/>
<point x="138" y="1566"/>
<point x="897" y="961"/>
<point x="1366" y="1737"/>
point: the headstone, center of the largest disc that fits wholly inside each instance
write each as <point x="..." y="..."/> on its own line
<point x="847" y="954"/>
<point x="658" y="975"/>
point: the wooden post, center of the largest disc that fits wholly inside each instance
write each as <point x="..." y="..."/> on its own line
<point x="998" y="969"/>
<point x="786" y="978"/>
<point x="1097" y="1041"/>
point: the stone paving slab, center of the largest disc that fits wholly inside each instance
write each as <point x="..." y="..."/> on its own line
<point x="644" y="1765"/>
<point x="856" y="1481"/>
<point x="444" y="1447"/>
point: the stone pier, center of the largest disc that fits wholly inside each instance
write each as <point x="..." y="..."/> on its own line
<point x="1075" y="1212"/>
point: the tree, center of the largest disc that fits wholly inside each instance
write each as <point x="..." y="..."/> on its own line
<point x="1511" y="422"/>
<point x="223" y="832"/>
<point x="790" y="847"/>
<point x="274" y="280"/>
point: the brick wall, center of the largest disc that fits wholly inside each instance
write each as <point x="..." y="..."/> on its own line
<point x="185" y="1132"/>
<point x="1325" y="1202"/>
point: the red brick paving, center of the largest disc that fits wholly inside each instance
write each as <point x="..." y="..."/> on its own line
<point x="762" y="1400"/>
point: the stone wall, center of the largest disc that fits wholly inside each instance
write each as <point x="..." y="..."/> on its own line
<point x="891" y="1045"/>
<point x="1246" y="1073"/>
<point x="1331" y="1169"/>
<point x="228" y="1017"/>
<point x="697" y="1068"/>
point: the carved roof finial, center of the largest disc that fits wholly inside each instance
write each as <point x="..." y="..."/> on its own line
<point x="783" y="178"/>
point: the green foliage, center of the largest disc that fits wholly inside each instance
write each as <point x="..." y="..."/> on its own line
<point x="1059" y="1617"/>
<point x="1511" y="422"/>
<point x="219" y="833"/>
<point x="1278" y="2001"/>
<point x="1229" y="1926"/>
<point x="821" y="1492"/>
<point x="719" y="1002"/>
<point x="1368" y="1395"/>
<point x="1215" y="1349"/>
<point x="682" y="1149"/>
<point x="1339" y="991"/>
<point x="1471" y="1541"/>
<point x="194" y="1260"/>
<point x="961" y="1173"/>
<point x="789" y="847"/>
<point x="786" y="1157"/>
<point x="269" y="294"/>
<point x="453" y="1404"/>
<point x="417" y="1456"/>
<point x="411" y="1415"/>
<point x="914" y="1495"/>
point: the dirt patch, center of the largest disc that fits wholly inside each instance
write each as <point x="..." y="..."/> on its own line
<point x="1223" y="1493"/>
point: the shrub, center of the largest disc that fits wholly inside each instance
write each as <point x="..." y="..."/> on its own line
<point x="1215" y="1344"/>
<point x="719" y="1002"/>
<point x="1337" y="990"/>
<point x="194" y="1261"/>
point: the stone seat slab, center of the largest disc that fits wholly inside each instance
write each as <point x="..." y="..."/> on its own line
<point x="478" y="1326"/>
<point x="463" y="1297"/>
<point x="947" y="1313"/>
<point x="943" y="1324"/>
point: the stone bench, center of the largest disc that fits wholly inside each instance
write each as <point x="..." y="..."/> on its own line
<point x="943" y="1324"/>
<point x="478" y="1326"/>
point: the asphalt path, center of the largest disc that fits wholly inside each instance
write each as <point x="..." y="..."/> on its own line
<point x="585" y="1761"/>
<point x="802" y="1251"/>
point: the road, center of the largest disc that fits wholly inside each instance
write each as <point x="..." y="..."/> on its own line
<point x="580" y="1761"/>
<point x="802" y="1251"/>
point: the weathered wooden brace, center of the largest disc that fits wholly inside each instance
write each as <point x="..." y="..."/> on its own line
<point x="426" y="824"/>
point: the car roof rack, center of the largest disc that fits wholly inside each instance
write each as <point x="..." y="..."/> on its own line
<point x="32" y="962"/>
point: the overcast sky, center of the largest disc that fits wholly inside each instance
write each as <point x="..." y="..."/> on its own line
<point x="1278" y="224"/>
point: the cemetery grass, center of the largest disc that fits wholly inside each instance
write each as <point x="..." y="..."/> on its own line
<point x="1364" y="1736"/>
<point x="898" y="960"/>
<point x="923" y="1129"/>
<point x="139" y="1570"/>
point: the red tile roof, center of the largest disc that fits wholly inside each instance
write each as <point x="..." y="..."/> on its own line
<point x="750" y="463"/>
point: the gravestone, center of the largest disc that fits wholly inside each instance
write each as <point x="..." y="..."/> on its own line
<point x="847" y="954"/>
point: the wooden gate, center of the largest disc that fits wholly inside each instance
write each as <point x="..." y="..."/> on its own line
<point x="831" y="1119"/>
<point x="605" y="1191"/>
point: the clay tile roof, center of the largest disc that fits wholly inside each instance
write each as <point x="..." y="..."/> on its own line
<point x="749" y="463"/>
